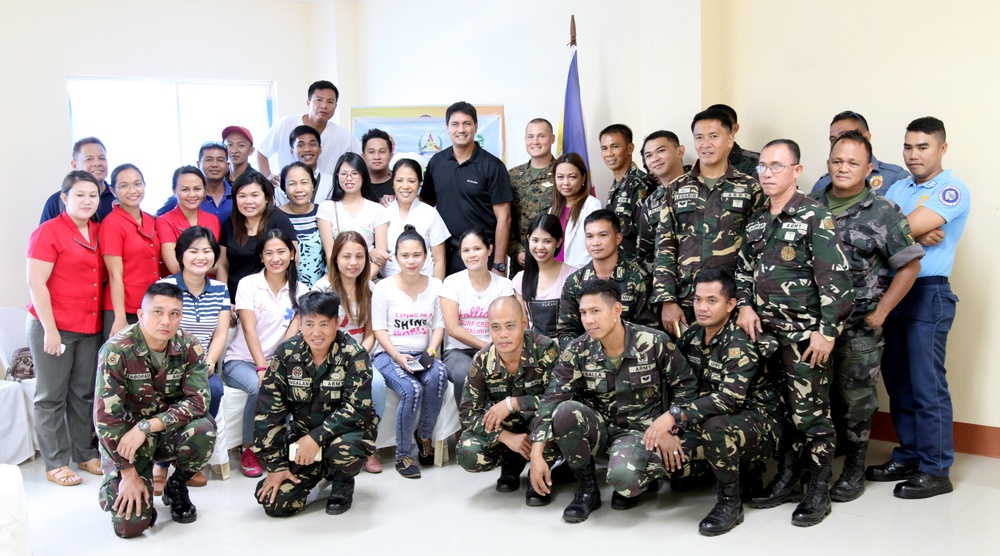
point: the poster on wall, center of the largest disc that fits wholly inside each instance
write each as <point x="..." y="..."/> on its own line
<point x="422" y="130"/>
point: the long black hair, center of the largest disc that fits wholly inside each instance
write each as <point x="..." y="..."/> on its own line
<point x="550" y="225"/>
<point x="357" y="164"/>
<point x="292" y="273"/>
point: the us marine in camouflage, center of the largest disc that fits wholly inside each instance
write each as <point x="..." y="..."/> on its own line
<point x="150" y="405"/>
<point x="630" y="185"/>
<point x="608" y="262"/>
<point x="736" y="418"/>
<point x="531" y="183"/>
<point x="506" y="380"/>
<point x="702" y="223"/>
<point x="607" y="389"/>
<point x="877" y="239"/>
<point x="663" y="155"/>
<point x="316" y="397"/>
<point x="792" y="281"/>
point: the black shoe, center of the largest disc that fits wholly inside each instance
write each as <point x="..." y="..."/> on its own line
<point x="727" y="513"/>
<point x="751" y="479"/>
<point x="561" y="473"/>
<point x="701" y="477"/>
<point x="407" y="468"/>
<point x="425" y="451"/>
<point x="588" y="497"/>
<point x="782" y="487"/>
<point x="851" y="483"/>
<point x="622" y="502"/>
<point x="922" y="485"/>
<point x="890" y="471"/>
<point x="175" y="495"/>
<point x="341" y="494"/>
<point x="510" y="472"/>
<point x="815" y="505"/>
<point x="533" y="499"/>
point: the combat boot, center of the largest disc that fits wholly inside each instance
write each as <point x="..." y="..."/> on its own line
<point x="175" y="495"/>
<point x="341" y="493"/>
<point x="588" y="497"/>
<point x="751" y="479"/>
<point x="727" y="513"/>
<point x="701" y="476"/>
<point x="782" y="487"/>
<point x="534" y="499"/>
<point x="815" y="505"/>
<point x="851" y="483"/>
<point x="511" y="467"/>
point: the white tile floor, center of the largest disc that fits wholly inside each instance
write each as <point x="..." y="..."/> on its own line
<point x="448" y="511"/>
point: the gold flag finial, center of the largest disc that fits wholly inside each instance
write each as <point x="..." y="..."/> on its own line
<point x="572" y="30"/>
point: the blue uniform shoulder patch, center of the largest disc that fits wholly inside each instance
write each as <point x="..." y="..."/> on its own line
<point x="950" y="196"/>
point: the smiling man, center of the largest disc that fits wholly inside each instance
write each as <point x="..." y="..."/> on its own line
<point x="630" y="185"/>
<point x="89" y="155"/>
<point x="882" y="175"/>
<point x="378" y="147"/>
<point x="239" y="144"/>
<point x="531" y="184"/>
<point x="663" y="155"/>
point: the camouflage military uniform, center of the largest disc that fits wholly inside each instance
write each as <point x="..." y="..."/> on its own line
<point x="700" y="228"/>
<point x="792" y="271"/>
<point x="532" y="190"/>
<point x="131" y="387"/>
<point x="331" y="403"/>
<point x="743" y="160"/>
<point x="592" y="406"/>
<point x="490" y="383"/>
<point x="737" y="415"/>
<point x="634" y="284"/>
<point x="647" y="221"/>
<point x="623" y="200"/>
<point x="876" y="238"/>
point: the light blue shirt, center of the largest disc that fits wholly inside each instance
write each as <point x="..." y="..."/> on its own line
<point x="949" y="198"/>
<point x="883" y="175"/>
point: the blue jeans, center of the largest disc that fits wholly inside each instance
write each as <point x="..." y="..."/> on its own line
<point x="243" y="375"/>
<point x="419" y="392"/>
<point x="378" y="393"/>
<point x="916" y="335"/>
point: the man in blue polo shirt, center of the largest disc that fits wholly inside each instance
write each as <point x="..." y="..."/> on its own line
<point x="470" y="188"/>
<point x="213" y="161"/>
<point x="916" y="331"/>
<point x="88" y="155"/>
<point x="883" y="174"/>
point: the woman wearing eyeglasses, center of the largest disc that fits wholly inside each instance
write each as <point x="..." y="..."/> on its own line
<point x="352" y="206"/>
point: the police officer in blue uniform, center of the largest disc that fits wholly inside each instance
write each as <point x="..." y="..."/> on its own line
<point x="883" y="174"/>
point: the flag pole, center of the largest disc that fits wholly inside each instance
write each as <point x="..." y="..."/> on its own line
<point x="572" y="31"/>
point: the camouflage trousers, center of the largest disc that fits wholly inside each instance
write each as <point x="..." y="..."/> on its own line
<point x="477" y="453"/>
<point x="807" y="403"/>
<point x="580" y="433"/>
<point x="345" y="454"/>
<point x="857" y="359"/>
<point x="188" y="446"/>
<point x="726" y="440"/>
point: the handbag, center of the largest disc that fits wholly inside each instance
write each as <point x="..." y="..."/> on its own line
<point x="22" y="366"/>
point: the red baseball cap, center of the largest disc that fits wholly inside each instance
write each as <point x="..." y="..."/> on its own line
<point x="237" y="129"/>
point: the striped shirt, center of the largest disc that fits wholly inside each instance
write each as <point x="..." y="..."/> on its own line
<point x="201" y="313"/>
<point x="312" y="260"/>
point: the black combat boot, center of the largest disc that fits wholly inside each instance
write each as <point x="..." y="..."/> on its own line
<point x="727" y="513"/>
<point x="782" y="487"/>
<point x="851" y="483"/>
<point x="701" y="476"/>
<point x="621" y="502"/>
<point x="511" y="467"/>
<point x="534" y="499"/>
<point x="588" y="497"/>
<point x="175" y="495"/>
<point x="815" y="505"/>
<point x="341" y="493"/>
<point x="751" y="479"/>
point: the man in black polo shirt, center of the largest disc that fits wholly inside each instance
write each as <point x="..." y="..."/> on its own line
<point x="470" y="188"/>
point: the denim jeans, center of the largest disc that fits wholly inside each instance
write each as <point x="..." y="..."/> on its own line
<point x="419" y="392"/>
<point x="458" y="362"/>
<point x="243" y="375"/>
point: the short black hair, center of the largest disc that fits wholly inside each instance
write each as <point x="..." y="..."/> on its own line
<point x="606" y="215"/>
<point x="78" y="146"/>
<point x="712" y="114"/>
<point x="661" y="134"/>
<point x="792" y="146"/>
<point x="376" y="133"/>
<point x="187" y="239"/>
<point x="709" y="275"/>
<point x="729" y="110"/>
<point x="209" y="145"/>
<point x="323" y="303"/>
<point x="301" y="130"/>
<point x="850" y="115"/>
<point x="929" y="125"/>
<point x="603" y="287"/>
<point x="857" y="137"/>
<point x="193" y="170"/>
<point x="322" y="84"/>
<point x="162" y="288"/>
<point x="621" y="129"/>
<point x="461" y="107"/>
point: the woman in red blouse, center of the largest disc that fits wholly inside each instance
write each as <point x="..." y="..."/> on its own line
<point x="130" y="248"/>
<point x="65" y="273"/>
<point x="189" y="189"/>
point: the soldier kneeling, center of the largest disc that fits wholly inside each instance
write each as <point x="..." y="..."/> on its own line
<point x="315" y="417"/>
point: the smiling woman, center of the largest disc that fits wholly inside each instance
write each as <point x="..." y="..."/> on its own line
<point x="189" y="190"/>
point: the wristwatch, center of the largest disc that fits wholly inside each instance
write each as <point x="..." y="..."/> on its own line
<point x="502" y="267"/>
<point x="677" y="413"/>
<point x="145" y="426"/>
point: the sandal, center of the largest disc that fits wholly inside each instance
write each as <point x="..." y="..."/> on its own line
<point x="63" y="476"/>
<point x="159" y="479"/>
<point x="91" y="466"/>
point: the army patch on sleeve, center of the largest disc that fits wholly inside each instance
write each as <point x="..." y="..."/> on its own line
<point x="827" y="223"/>
<point x="113" y="358"/>
<point x="875" y="182"/>
<point x="734" y="353"/>
<point x="198" y="350"/>
<point x="950" y="196"/>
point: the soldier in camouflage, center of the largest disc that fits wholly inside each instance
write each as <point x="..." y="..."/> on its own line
<point x="663" y="155"/>
<point x="630" y="185"/>
<point x="702" y="223"/>
<point x="150" y="405"/>
<point x="877" y="239"/>
<point x="506" y="379"/>
<point x="607" y="389"/>
<point x="608" y="261"/>
<point x="792" y="281"/>
<point x="742" y="159"/>
<point x="531" y="184"/>
<point x="315" y="418"/>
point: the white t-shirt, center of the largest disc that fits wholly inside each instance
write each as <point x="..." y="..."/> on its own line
<point x="472" y="305"/>
<point x="364" y="222"/>
<point x="429" y="225"/>
<point x="273" y="312"/>
<point x="347" y="324"/>
<point x="574" y="244"/>
<point x="334" y="139"/>
<point x="408" y="322"/>
<point x="324" y="186"/>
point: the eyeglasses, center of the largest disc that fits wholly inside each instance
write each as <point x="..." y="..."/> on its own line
<point x="775" y="168"/>
<point x="351" y="175"/>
